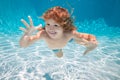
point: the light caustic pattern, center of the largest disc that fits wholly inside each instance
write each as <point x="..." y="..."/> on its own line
<point x="37" y="62"/>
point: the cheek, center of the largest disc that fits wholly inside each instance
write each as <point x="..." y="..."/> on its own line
<point x="46" y="28"/>
<point x="60" y="30"/>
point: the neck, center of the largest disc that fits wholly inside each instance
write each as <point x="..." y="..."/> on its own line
<point x="59" y="37"/>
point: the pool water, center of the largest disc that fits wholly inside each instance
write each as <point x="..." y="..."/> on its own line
<point x="38" y="62"/>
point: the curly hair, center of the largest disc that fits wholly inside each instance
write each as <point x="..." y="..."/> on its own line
<point x="61" y="16"/>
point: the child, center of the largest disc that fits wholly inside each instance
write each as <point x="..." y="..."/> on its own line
<point x="58" y="31"/>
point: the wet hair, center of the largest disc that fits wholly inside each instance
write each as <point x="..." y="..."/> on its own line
<point x="61" y="16"/>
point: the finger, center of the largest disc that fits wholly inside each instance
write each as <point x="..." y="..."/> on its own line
<point x="86" y="51"/>
<point x="38" y="28"/>
<point x="23" y="29"/>
<point x="25" y="23"/>
<point x="31" y="22"/>
<point x="95" y="42"/>
<point x="82" y="43"/>
<point x="85" y="41"/>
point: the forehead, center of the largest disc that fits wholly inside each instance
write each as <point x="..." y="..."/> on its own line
<point x="51" y="21"/>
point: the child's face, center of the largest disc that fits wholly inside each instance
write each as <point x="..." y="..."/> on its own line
<point x="53" y="29"/>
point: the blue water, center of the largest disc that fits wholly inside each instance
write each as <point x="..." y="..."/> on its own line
<point x="38" y="62"/>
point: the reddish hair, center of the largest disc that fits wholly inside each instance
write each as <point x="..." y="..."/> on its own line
<point x="61" y="16"/>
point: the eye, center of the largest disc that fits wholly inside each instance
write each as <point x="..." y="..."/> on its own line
<point x="48" y="24"/>
<point x="56" y="25"/>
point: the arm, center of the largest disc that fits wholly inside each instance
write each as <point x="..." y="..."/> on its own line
<point x="88" y="40"/>
<point x="28" y="38"/>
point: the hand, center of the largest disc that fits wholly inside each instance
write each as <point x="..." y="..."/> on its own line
<point x="90" y="45"/>
<point x="29" y="27"/>
<point x="85" y="39"/>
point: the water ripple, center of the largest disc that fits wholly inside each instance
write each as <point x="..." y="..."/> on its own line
<point x="34" y="63"/>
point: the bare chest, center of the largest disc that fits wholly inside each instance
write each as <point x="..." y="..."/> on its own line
<point x="57" y="44"/>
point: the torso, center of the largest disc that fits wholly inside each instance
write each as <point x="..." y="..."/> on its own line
<point x="58" y="43"/>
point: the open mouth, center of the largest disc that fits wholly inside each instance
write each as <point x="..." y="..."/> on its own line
<point x="52" y="33"/>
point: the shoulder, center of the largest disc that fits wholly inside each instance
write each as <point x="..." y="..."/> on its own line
<point x="71" y="34"/>
<point x="74" y="33"/>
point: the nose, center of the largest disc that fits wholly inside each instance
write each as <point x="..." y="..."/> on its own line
<point x="51" y="27"/>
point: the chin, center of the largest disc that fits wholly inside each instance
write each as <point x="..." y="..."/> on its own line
<point x="53" y="37"/>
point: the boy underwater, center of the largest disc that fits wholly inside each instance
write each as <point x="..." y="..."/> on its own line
<point x="58" y="31"/>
